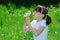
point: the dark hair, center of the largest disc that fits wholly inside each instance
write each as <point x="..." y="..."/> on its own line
<point x="44" y="11"/>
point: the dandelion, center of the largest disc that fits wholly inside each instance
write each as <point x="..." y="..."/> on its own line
<point x="27" y="13"/>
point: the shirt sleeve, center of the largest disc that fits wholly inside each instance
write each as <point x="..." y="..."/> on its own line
<point x="33" y="22"/>
<point x="43" y="23"/>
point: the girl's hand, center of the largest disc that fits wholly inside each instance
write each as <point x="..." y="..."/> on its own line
<point x="27" y="20"/>
<point x="25" y="29"/>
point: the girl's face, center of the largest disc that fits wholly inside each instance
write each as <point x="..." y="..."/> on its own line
<point x="37" y="15"/>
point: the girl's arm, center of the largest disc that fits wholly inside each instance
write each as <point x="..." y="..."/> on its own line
<point x="36" y="32"/>
<point x="25" y="29"/>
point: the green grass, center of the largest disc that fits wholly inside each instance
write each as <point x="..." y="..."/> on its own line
<point x="11" y="24"/>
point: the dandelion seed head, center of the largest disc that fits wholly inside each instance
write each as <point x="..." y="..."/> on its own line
<point x="27" y="13"/>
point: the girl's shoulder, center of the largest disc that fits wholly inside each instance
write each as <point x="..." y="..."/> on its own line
<point x="33" y="21"/>
<point x="43" y="21"/>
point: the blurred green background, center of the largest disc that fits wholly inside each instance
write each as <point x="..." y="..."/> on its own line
<point x="11" y="18"/>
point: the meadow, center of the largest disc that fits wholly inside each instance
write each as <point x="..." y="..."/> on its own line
<point x="11" y="22"/>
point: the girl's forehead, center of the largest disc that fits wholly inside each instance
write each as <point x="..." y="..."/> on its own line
<point x="36" y="12"/>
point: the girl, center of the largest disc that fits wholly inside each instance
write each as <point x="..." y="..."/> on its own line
<point x="39" y="26"/>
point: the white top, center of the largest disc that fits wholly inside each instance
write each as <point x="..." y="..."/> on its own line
<point x="36" y="25"/>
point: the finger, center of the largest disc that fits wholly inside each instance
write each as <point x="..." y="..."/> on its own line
<point x="24" y="17"/>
